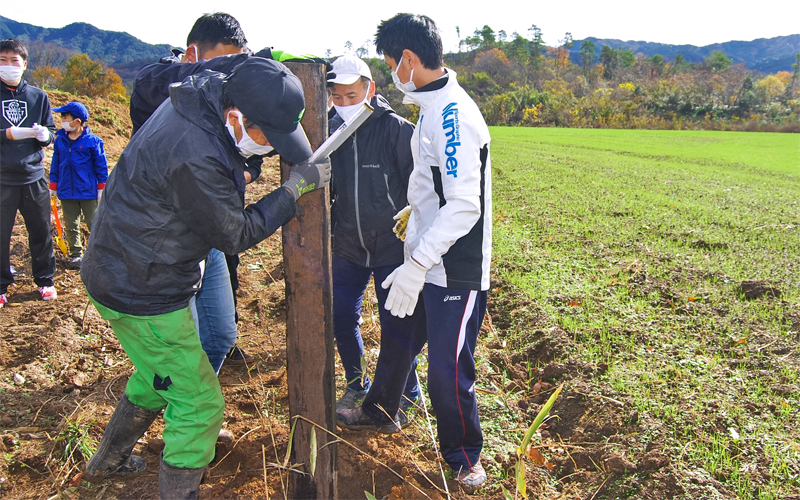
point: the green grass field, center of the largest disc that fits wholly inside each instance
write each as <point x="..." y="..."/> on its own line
<point x="636" y="243"/>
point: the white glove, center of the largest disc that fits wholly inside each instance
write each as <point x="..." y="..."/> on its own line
<point x="53" y="193"/>
<point x="406" y="282"/>
<point x="99" y="195"/>
<point x="18" y="133"/>
<point x="42" y="133"/>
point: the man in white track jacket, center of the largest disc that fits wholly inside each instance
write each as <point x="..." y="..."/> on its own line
<point x="447" y="249"/>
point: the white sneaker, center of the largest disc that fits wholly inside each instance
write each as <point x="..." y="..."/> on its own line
<point x="48" y="292"/>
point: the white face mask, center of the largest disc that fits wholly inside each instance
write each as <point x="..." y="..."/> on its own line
<point x="404" y="87"/>
<point x="11" y="74"/>
<point x="247" y="146"/>
<point x="348" y="112"/>
<point x="66" y="126"/>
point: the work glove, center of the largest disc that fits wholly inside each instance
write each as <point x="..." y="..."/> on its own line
<point x="402" y="222"/>
<point x="99" y="195"/>
<point x="18" y="133"/>
<point x="406" y="282"/>
<point x="53" y="193"/>
<point x="42" y="133"/>
<point x="307" y="177"/>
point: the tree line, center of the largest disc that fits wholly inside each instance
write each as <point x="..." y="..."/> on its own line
<point x="519" y="81"/>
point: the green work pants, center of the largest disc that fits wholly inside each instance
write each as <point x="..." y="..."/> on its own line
<point x="172" y="370"/>
<point x="72" y="222"/>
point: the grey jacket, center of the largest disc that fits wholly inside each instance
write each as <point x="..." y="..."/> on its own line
<point x="175" y="194"/>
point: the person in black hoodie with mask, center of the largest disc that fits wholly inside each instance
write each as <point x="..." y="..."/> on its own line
<point x="26" y="127"/>
<point x="368" y="187"/>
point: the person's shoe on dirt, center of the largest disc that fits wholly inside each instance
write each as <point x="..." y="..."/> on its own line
<point x="74" y="263"/>
<point x="48" y="292"/>
<point x="3" y="300"/>
<point x="350" y="399"/>
<point x="357" y="420"/>
<point x="13" y="271"/>
<point x="238" y="357"/>
<point x="113" y="456"/>
<point x="470" y="479"/>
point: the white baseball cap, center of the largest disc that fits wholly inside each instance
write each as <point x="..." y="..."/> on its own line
<point x="349" y="69"/>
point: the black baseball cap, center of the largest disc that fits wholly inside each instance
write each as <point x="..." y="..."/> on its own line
<point x="271" y="96"/>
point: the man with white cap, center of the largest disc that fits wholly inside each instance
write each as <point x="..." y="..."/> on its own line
<point x="370" y="180"/>
<point x="175" y="194"/>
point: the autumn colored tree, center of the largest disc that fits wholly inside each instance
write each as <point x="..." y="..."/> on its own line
<point x="46" y="77"/>
<point x="83" y="76"/>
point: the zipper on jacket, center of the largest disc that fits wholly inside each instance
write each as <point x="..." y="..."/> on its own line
<point x="389" y="194"/>
<point x="358" y="212"/>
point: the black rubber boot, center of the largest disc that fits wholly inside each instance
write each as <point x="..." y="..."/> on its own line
<point x="179" y="483"/>
<point x="128" y="423"/>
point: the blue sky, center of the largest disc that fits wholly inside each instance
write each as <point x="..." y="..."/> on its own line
<point x="314" y="26"/>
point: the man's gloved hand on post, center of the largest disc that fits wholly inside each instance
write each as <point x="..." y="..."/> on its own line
<point x="402" y="222"/>
<point x="406" y="283"/>
<point x="307" y="177"/>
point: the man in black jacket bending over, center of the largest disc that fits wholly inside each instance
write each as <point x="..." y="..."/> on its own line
<point x="175" y="194"/>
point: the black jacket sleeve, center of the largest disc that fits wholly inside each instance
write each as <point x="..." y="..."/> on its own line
<point x="206" y="201"/>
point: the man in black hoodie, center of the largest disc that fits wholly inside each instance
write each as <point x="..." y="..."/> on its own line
<point x="370" y="180"/>
<point x="26" y="126"/>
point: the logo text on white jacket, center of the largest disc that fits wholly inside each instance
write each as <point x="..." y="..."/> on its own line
<point x="450" y="126"/>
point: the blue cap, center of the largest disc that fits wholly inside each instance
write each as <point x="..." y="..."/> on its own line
<point x="76" y="109"/>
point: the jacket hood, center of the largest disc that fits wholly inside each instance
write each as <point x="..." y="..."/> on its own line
<point x="380" y="106"/>
<point x="199" y="100"/>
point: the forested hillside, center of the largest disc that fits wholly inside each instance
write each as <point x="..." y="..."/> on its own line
<point x="520" y="81"/>
<point x="516" y="79"/>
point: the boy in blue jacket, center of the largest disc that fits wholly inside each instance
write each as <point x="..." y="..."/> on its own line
<point x="78" y="174"/>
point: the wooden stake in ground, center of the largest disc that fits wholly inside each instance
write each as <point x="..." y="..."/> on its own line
<point x="309" y="312"/>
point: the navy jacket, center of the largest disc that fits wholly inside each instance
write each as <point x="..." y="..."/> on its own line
<point x="175" y="194"/>
<point x="21" y="160"/>
<point x="78" y="168"/>
<point x="369" y="186"/>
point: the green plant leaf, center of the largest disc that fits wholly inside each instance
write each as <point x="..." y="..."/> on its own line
<point x="506" y="494"/>
<point x="289" y="446"/>
<point x="313" y="458"/>
<point x="521" y="486"/>
<point x="370" y="496"/>
<point x="538" y="420"/>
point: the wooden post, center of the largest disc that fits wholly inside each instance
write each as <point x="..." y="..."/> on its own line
<point x="309" y="312"/>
